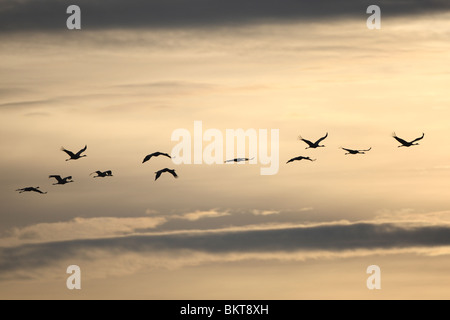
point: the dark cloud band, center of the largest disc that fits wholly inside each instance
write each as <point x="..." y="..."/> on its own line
<point x="50" y="15"/>
<point x="334" y="238"/>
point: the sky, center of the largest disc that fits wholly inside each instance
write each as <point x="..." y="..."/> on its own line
<point x="138" y="71"/>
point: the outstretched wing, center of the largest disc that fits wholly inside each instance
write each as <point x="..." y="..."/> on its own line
<point x="309" y="143"/>
<point x="148" y="157"/>
<point x="156" y="154"/>
<point x="296" y="159"/>
<point x="403" y="142"/>
<point x="38" y="191"/>
<point x="423" y="135"/>
<point x="292" y="160"/>
<point x="109" y="173"/>
<point x="82" y="150"/>
<point x="68" y="178"/>
<point x="58" y="178"/>
<point x="173" y="173"/>
<point x="158" y="174"/>
<point x="321" y="139"/>
<point x="348" y="150"/>
<point x="70" y="153"/>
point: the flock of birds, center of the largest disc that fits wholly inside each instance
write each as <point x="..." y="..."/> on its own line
<point x="99" y="174"/>
<point x="108" y="173"/>
<point x="314" y="145"/>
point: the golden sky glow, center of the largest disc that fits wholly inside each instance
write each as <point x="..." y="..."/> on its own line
<point x="123" y="93"/>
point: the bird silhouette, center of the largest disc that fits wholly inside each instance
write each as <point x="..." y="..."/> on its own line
<point x="239" y="160"/>
<point x="61" y="181"/>
<point x="351" y="151"/>
<point x="315" y="144"/>
<point x="74" y="156"/>
<point x="31" y="189"/>
<point x="101" y="174"/>
<point x="406" y="143"/>
<point x="299" y="158"/>
<point x="156" y="154"/>
<point x="160" y="172"/>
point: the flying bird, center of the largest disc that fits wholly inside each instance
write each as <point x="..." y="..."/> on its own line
<point x="74" y="156"/>
<point x="160" y="172"/>
<point x="406" y="143"/>
<point x="101" y="174"/>
<point x="351" y="151"/>
<point x="31" y="189"/>
<point x="315" y="144"/>
<point x="239" y="160"/>
<point x="156" y="154"/>
<point x="300" y="158"/>
<point x="60" y="180"/>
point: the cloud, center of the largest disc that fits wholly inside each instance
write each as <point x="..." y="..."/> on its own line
<point x="275" y="212"/>
<point x="78" y="229"/>
<point x="327" y="240"/>
<point x="171" y="85"/>
<point x="411" y="217"/>
<point x="25" y="104"/>
<point x="102" y="263"/>
<point x="96" y="228"/>
<point x="164" y="88"/>
<point x="197" y="215"/>
<point x="39" y="15"/>
<point x="37" y="114"/>
<point x="118" y="243"/>
<point x="12" y="91"/>
<point x="265" y="212"/>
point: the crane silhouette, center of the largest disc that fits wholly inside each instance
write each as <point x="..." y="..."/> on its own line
<point x="31" y="189"/>
<point x="160" y="172"/>
<point x="74" y="156"/>
<point x="315" y="144"/>
<point x="156" y="154"/>
<point x="299" y="158"/>
<point x="407" y="143"/>
<point x="351" y="151"/>
<point x="101" y="174"/>
<point x="61" y="181"/>
<point x="239" y="160"/>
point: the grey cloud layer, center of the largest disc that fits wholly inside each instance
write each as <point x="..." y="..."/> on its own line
<point x="333" y="237"/>
<point x="35" y="15"/>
